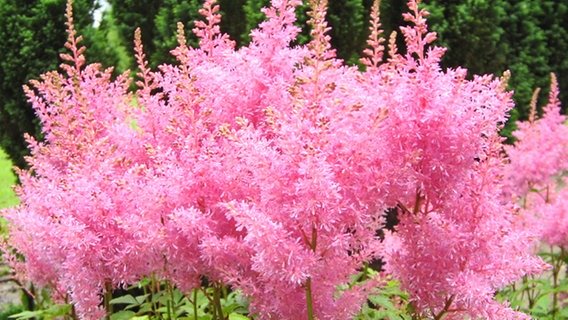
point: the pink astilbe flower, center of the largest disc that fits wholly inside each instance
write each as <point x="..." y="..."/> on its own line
<point x="68" y="224"/>
<point x="452" y="258"/>
<point x="211" y="40"/>
<point x="300" y="216"/>
<point x="549" y="215"/>
<point x="537" y="162"/>
<point x="374" y="53"/>
<point x="457" y="241"/>
<point x="268" y="168"/>
<point x="541" y="149"/>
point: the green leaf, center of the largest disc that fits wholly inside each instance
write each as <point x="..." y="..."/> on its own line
<point x="177" y="297"/>
<point x="122" y="315"/>
<point x="57" y="310"/>
<point x="127" y="299"/>
<point x="141" y="299"/>
<point x="26" y="315"/>
<point x="144" y="282"/>
<point x="542" y="303"/>
<point x="52" y="312"/>
<point x="382" y="301"/>
<point x="157" y="296"/>
<point x="236" y="316"/>
<point x="145" y="308"/>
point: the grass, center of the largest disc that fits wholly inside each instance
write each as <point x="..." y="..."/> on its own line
<point x="7" y="199"/>
<point x="7" y="180"/>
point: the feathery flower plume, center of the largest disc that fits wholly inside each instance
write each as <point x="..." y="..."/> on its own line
<point x="268" y="168"/>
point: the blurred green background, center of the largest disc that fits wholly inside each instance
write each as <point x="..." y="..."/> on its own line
<point x="7" y="180"/>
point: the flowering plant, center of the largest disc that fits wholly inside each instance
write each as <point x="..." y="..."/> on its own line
<point x="268" y="168"/>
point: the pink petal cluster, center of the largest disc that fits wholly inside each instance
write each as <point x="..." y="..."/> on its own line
<point x="541" y="149"/>
<point x="457" y="241"/>
<point x="552" y="217"/>
<point x="537" y="164"/>
<point x="453" y="256"/>
<point x="268" y="168"/>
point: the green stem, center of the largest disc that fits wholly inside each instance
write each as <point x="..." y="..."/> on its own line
<point x="217" y="301"/>
<point x="172" y="297"/>
<point x="154" y="289"/>
<point x="169" y="309"/>
<point x="195" y="304"/>
<point x="556" y="265"/>
<point x="528" y="290"/>
<point x="107" y="298"/>
<point x="309" y="300"/>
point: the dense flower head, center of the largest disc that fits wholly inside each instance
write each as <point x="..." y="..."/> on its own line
<point x="268" y="168"/>
<point x="454" y="256"/>
<point x="548" y="212"/>
<point x="540" y="152"/>
<point x="536" y="169"/>
<point x="457" y="241"/>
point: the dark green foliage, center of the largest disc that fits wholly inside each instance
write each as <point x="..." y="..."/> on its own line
<point x="104" y="46"/>
<point x="253" y="16"/>
<point x="131" y="14"/>
<point x="556" y="31"/>
<point x="233" y="21"/>
<point x="158" y="19"/>
<point x="348" y="20"/>
<point x="528" y="56"/>
<point x="537" y="34"/>
<point x="472" y="30"/>
<point x="32" y="34"/>
<point x="528" y="37"/>
<point x="9" y="311"/>
<point x="165" y="22"/>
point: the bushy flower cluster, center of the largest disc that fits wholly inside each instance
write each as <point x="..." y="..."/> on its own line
<point x="538" y="162"/>
<point x="268" y="168"/>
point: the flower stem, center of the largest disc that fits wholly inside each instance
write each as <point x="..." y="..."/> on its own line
<point x="195" y="304"/>
<point x="309" y="300"/>
<point x="217" y="301"/>
<point x="446" y="309"/>
<point x="173" y="299"/>
<point x="107" y="298"/>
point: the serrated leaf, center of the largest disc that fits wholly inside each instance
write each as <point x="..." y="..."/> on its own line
<point x="236" y="316"/>
<point x="57" y="310"/>
<point x="127" y="299"/>
<point x="157" y="296"/>
<point x="382" y="301"/>
<point x="178" y="297"/>
<point x="144" y="282"/>
<point x="26" y="315"/>
<point x="145" y="308"/>
<point x="141" y="299"/>
<point x="122" y="315"/>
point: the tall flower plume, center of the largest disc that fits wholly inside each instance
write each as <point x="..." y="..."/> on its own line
<point x="268" y="168"/>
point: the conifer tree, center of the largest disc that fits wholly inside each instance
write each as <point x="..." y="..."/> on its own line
<point x="132" y="14"/>
<point x="529" y="37"/>
<point x="165" y="23"/>
<point x="32" y="34"/>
